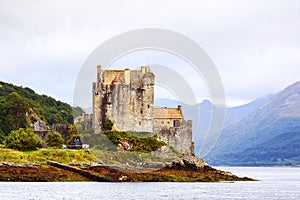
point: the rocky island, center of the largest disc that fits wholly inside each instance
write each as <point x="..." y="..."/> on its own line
<point x="185" y="169"/>
<point x="125" y="139"/>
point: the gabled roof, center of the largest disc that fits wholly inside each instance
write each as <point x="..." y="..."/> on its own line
<point x="167" y="113"/>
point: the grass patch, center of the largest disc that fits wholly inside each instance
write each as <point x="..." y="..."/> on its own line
<point x="41" y="156"/>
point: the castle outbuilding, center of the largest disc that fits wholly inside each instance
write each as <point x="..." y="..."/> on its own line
<point x="126" y="97"/>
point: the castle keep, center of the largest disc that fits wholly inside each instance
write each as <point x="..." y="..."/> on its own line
<point x="126" y="97"/>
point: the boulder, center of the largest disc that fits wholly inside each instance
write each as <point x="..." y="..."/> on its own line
<point x="187" y="163"/>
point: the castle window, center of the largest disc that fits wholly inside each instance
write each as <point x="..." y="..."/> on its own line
<point x="148" y="106"/>
<point x="139" y="123"/>
<point x="141" y="112"/>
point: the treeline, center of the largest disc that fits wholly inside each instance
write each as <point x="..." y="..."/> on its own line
<point x="21" y="106"/>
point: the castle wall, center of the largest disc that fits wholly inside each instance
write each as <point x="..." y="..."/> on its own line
<point x="163" y="123"/>
<point x="63" y="129"/>
<point x="166" y="117"/>
<point x="179" y="137"/>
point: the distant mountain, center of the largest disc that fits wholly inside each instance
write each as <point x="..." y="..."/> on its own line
<point x="235" y="114"/>
<point x="267" y="136"/>
<point x="201" y="115"/>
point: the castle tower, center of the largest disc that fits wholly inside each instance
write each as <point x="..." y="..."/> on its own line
<point x="126" y="97"/>
<point x="147" y="98"/>
<point x="97" y="101"/>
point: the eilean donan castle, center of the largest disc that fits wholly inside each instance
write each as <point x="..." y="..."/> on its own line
<point x="126" y="97"/>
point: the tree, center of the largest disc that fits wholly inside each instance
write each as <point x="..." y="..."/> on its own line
<point x="73" y="130"/>
<point x="77" y="111"/>
<point x="54" y="139"/>
<point x="16" y="102"/>
<point x="23" y="139"/>
<point x="2" y="136"/>
<point x="13" y="110"/>
<point x="17" y="108"/>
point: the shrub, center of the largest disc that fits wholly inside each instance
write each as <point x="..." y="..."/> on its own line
<point x="108" y="125"/>
<point x="73" y="130"/>
<point x="139" y="144"/>
<point x="23" y="139"/>
<point x="54" y="139"/>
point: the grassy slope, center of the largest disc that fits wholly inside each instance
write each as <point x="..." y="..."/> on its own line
<point x="40" y="156"/>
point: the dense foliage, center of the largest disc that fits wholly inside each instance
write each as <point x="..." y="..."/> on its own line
<point x="139" y="144"/>
<point x="23" y="139"/>
<point x="73" y="130"/>
<point x="21" y="106"/>
<point x="54" y="139"/>
<point x="77" y="111"/>
<point x="2" y="136"/>
<point x="108" y="124"/>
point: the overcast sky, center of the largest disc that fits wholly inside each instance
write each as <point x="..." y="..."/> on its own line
<point x="255" y="45"/>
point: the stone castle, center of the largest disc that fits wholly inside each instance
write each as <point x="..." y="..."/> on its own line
<point x="126" y="97"/>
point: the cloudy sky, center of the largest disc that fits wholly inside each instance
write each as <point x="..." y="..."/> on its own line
<point x="255" y="45"/>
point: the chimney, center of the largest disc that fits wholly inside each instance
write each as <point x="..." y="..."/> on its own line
<point x="98" y="73"/>
<point x="127" y="76"/>
<point x="180" y="108"/>
<point x="148" y="69"/>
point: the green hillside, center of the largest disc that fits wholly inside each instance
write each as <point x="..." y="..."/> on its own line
<point x="19" y="107"/>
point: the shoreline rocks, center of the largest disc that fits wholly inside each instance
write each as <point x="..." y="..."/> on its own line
<point x="184" y="169"/>
<point x="15" y="165"/>
<point x="187" y="163"/>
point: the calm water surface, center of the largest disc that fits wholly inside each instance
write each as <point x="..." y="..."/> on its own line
<point x="275" y="183"/>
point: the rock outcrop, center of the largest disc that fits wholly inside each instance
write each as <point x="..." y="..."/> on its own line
<point x="187" y="163"/>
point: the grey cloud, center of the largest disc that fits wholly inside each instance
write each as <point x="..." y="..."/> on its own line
<point x="254" y="44"/>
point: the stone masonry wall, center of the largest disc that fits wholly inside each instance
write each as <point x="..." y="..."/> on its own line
<point x="179" y="137"/>
<point x="129" y="104"/>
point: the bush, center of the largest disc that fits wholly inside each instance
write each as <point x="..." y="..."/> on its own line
<point x="139" y="144"/>
<point x="54" y="139"/>
<point x="108" y="125"/>
<point x="73" y="130"/>
<point x="23" y="139"/>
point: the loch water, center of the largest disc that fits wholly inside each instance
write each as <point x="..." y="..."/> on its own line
<point x="273" y="183"/>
